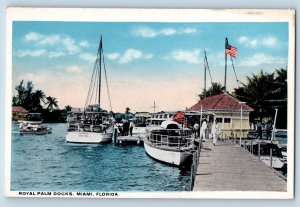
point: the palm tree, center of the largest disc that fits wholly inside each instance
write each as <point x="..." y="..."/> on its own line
<point x="264" y="92"/>
<point x="52" y="103"/>
<point x="215" y="89"/>
<point x="68" y="108"/>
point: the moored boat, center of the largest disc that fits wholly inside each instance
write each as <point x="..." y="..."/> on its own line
<point x="169" y="143"/>
<point x="38" y="129"/>
<point x="93" y="125"/>
<point x="263" y="150"/>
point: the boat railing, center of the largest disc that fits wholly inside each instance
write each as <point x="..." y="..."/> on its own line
<point x="171" y="141"/>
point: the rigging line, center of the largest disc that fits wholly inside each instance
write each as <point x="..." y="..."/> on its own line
<point x="108" y="93"/>
<point x="206" y="61"/>
<point x="237" y="81"/>
<point x="93" y="86"/>
<point x="90" y="86"/>
<point x="97" y="86"/>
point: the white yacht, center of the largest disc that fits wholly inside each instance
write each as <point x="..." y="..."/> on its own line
<point x="169" y="143"/>
<point x="95" y="125"/>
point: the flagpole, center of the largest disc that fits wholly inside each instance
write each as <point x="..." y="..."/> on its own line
<point x="204" y="75"/>
<point x="225" y="65"/>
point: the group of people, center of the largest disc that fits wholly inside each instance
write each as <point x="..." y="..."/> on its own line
<point x="125" y="129"/>
<point x="267" y="128"/>
<point x="201" y="131"/>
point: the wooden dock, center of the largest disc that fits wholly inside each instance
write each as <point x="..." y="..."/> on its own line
<point x="135" y="139"/>
<point x="228" y="167"/>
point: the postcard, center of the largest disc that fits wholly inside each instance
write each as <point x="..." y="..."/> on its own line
<point x="150" y="103"/>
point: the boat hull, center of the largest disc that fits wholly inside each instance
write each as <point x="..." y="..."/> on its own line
<point x="277" y="163"/>
<point x="43" y="132"/>
<point x="88" y="137"/>
<point x="171" y="156"/>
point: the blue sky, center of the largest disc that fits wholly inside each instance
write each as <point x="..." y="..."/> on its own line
<point x="144" y="61"/>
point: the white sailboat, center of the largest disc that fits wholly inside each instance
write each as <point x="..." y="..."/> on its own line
<point x="95" y="124"/>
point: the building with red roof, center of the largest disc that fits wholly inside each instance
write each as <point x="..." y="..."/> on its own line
<point x="19" y="113"/>
<point x="228" y="111"/>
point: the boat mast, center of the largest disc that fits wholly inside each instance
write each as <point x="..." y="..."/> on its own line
<point x="100" y="55"/>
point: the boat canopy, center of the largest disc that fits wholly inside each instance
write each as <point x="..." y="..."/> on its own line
<point x="169" y="124"/>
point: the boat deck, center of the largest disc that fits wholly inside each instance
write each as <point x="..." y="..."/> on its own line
<point x="228" y="167"/>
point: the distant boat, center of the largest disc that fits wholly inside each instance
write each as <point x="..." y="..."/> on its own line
<point x="94" y="124"/>
<point x="33" y="125"/>
<point x="37" y="129"/>
<point x="169" y="143"/>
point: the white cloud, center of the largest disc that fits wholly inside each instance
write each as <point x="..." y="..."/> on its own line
<point x="84" y="43"/>
<point x="32" y="36"/>
<point x="55" y="54"/>
<point x="145" y="32"/>
<point x="168" y="31"/>
<point x="189" y="30"/>
<point x="63" y="43"/>
<point x="88" y="57"/>
<point x="113" y="56"/>
<point x="191" y="57"/>
<point x="130" y="55"/>
<point x="31" y="53"/>
<point x="70" y="45"/>
<point x="49" y="39"/>
<point x="148" y="32"/>
<point x="269" y="41"/>
<point x="73" y="69"/>
<point x="260" y="59"/>
<point x="148" y="56"/>
<point x="253" y="42"/>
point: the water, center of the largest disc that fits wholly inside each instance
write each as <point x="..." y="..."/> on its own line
<point x="48" y="163"/>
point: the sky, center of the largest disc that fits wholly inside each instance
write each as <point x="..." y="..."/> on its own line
<point x="145" y="62"/>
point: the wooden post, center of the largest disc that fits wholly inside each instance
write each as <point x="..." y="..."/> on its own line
<point x="225" y="64"/>
<point x="271" y="158"/>
<point x="258" y="150"/>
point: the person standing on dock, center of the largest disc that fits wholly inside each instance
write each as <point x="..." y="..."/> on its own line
<point x="125" y="128"/>
<point x="203" y="130"/>
<point x="259" y="131"/>
<point x="196" y="130"/>
<point x="215" y="132"/>
<point x="131" y="127"/>
<point x="269" y="130"/>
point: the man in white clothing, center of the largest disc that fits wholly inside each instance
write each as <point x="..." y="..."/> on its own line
<point x="203" y="130"/>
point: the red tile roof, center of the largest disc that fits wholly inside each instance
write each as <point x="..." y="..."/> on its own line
<point x="19" y="109"/>
<point x="223" y="102"/>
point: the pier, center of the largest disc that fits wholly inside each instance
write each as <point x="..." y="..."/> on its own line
<point x="228" y="167"/>
<point x="134" y="139"/>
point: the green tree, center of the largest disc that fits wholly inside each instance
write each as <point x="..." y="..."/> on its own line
<point x="215" y="89"/>
<point x="68" y="108"/>
<point x="264" y="92"/>
<point x="52" y="103"/>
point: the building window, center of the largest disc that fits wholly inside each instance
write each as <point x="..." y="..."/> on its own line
<point x="219" y="120"/>
<point x="227" y="120"/>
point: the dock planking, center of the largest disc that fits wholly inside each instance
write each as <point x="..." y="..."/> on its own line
<point x="228" y="167"/>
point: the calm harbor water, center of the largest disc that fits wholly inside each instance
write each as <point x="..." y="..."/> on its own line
<point x="48" y="163"/>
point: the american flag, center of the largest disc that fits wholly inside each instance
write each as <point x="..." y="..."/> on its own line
<point x="230" y="50"/>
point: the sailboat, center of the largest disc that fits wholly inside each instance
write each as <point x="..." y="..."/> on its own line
<point x="95" y="124"/>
